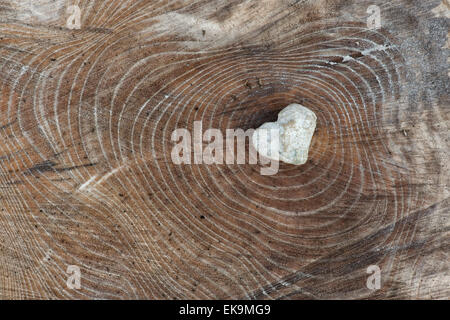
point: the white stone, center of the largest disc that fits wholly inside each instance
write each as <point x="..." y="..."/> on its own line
<point x="289" y="138"/>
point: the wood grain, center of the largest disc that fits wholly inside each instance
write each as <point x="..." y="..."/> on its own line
<point x="86" y="176"/>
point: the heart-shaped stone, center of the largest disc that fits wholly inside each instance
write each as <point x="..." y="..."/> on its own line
<point x="289" y="138"/>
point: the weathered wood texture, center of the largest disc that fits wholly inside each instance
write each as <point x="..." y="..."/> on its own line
<point x="86" y="176"/>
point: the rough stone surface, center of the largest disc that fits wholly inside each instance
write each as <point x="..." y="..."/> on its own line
<point x="289" y="138"/>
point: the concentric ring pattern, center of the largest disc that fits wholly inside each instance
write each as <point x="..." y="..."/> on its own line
<point x="87" y="177"/>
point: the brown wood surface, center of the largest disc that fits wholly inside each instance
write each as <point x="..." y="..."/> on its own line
<point x="86" y="176"/>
